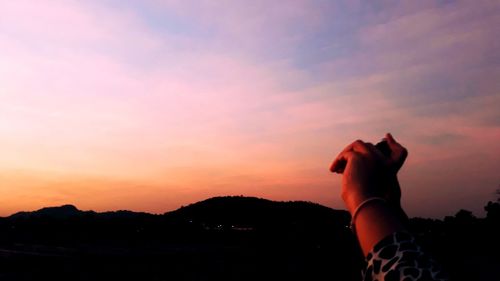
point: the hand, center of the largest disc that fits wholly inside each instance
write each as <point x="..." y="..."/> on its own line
<point x="398" y="153"/>
<point x="363" y="169"/>
<point x="368" y="173"/>
<point x="394" y="163"/>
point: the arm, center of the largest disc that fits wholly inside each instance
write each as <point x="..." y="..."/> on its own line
<point x="375" y="222"/>
<point x="391" y="253"/>
<point x="367" y="173"/>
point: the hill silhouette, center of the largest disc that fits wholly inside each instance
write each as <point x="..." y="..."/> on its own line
<point x="64" y="211"/>
<point x="70" y="211"/>
<point x="250" y="211"/>
<point x="222" y="210"/>
<point x="225" y="238"/>
<point x="221" y="238"/>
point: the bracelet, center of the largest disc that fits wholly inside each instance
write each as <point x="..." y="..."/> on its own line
<point x="360" y="206"/>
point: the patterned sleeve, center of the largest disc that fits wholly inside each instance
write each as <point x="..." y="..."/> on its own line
<point x="398" y="258"/>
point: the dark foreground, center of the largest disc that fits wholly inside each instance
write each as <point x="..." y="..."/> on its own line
<point x="229" y="238"/>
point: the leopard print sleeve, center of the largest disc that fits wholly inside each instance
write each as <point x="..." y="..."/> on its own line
<point x="398" y="258"/>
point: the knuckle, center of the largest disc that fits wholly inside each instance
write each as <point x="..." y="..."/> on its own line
<point x="358" y="141"/>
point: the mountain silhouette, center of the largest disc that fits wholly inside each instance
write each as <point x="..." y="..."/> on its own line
<point x="70" y="211"/>
<point x="221" y="238"/>
<point x="227" y="210"/>
<point x="251" y="211"/>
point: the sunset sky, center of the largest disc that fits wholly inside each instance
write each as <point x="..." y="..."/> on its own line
<point x="150" y="105"/>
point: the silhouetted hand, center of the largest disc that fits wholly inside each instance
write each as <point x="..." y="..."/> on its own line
<point x="368" y="173"/>
<point x="394" y="163"/>
<point x="398" y="153"/>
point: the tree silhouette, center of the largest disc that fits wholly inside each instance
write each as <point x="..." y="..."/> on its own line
<point x="493" y="208"/>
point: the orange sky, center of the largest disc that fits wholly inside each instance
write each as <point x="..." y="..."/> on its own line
<point x="157" y="104"/>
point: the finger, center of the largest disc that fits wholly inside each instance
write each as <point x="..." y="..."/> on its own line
<point x="390" y="139"/>
<point x="399" y="152"/>
<point x="401" y="158"/>
<point x="360" y="146"/>
<point x="373" y="149"/>
<point x="337" y="163"/>
<point x="338" y="166"/>
<point x="357" y="145"/>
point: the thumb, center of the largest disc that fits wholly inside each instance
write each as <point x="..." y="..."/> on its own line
<point x="390" y="139"/>
<point x="399" y="152"/>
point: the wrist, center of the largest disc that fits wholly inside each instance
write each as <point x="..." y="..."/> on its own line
<point x="353" y="199"/>
<point x="359" y="208"/>
<point x="374" y="222"/>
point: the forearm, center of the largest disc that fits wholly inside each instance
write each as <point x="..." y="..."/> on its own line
<point x="391" y="252"/>
<point x="375" y="221"/>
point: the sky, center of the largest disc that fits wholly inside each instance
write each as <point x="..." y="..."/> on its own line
<point x="151" y="105"/>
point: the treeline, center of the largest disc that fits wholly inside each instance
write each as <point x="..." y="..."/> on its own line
<point x="226" y="238"/>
